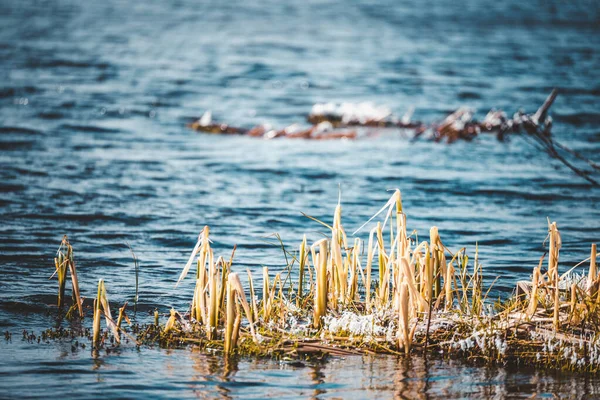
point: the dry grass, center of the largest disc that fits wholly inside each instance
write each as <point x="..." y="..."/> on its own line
<point x="426" y="298"/>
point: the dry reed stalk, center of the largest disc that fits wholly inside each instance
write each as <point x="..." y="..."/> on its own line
<point x="400" y="226"/>
<point x="354" y="258"/>
<point x="336" y="268"/>
<point x="101" y="306"/>
<point x="266" y="295"/>
<point x="201" y="289"/>
<point x="74" y="281"/>
<point x="417" y="300"/>
<point x="64" y="262"/>
<point x="476" y="282"/>
<point x="428" y="283"/>
<point x="368" y="272"/>
<point x="384" y="266"/>
<point x="121" y="316"/>
<point x="321" y="292"/>
<point x="573" y="302"/>
<point x="208" y="294"/>
<point x="464" y="286"/>
<point x="553" y="254"/>
<point x="252" y="296"/>
<point x="270" y="293"/>
<point x="593" y="272"/>
<point x="61" y="272"/>
<point x="435" y="245"/>
<point x="224" y="272"/>
<point x="404" y="316"/>
<point x="213" y="293"/>
<point x="170" y="325"/>
<point x="107" y="314"/>
<point x="449" y="278"/>
<point x="236" y="326"/>
<point x="402" y="249"/>
<point x="234" y="280"/>
<point x="97" y="315"/>
<point x="302" y="257"/>
<point x="202" y="243"/>
<point x="230" y="318"/>
<point x="76" y="296"/>
<point x="533" y="296"/>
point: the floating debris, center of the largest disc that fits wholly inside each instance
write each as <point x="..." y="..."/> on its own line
<point x="333" y="121"/>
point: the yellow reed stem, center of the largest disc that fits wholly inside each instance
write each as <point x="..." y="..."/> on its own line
<point x="368" y="272"/>
<point x="170" y="325"/>
<point x="224" y="273"/>
<point x="404" y="315"/>
<point x="235" y="282"/>
<point x="593" y="272"/>
<point x="97" y="314"/>
<point x="230" y="318"/>
<point x="254" y="310"/>
<point x="61" y="274"/>
<point x="553" y="254"/>
<point x="533" y="297"/>
<point x="321" y="289"/>
<point x="354" y="258"/>
<point x="573" y="300"/>
<point x="449" y="277"/>
<point x="121" y="316"/>
<point x="213" y="291"/>
<point x="302" y="264"/>
<point x="436" y="253"/>
<point x="75" y="282"/>
<point x="266" y="295"/>
<point x="236" y="326"/>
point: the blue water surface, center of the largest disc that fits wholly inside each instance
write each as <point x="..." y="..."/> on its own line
<point x="94" y="98"/>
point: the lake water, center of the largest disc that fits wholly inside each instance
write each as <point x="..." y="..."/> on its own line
<point x="94" y="99"/>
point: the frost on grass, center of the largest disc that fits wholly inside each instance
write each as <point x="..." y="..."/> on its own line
<point x="349" y="323"/>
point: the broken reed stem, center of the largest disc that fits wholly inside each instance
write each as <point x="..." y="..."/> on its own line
<point x="404" y="316"/>
<point x="65" y="262"/>
<point x="230" y="318"/>
<point x="302" y="264"/>
<point x="266" y="295"/>
<point x="448" y="286"/>
<point x="533" y="296"/>
<point x="169" y="326"/>
<point x="213" y="292"/>
<point x="370" y="247"/>
<point x="236" y="284"/>
<point x="121" y="316"/>
<point x="593" y="272"/>
<point x="97" y="314"/>
<point x="320" y="264"/>
<point x="61" y="274"/>
<point x="236" y="326"/>
<point x="573" y="300"/>
<point x="553" y="254"/>
<point x="76" y="297"/>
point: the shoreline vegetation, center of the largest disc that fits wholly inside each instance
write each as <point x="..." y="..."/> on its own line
<point x="342" y="296"/>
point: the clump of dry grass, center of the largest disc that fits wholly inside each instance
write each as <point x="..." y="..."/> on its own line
<point x="425" y="298"/>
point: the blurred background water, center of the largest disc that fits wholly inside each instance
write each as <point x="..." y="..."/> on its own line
<point x="94" y="99"/>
